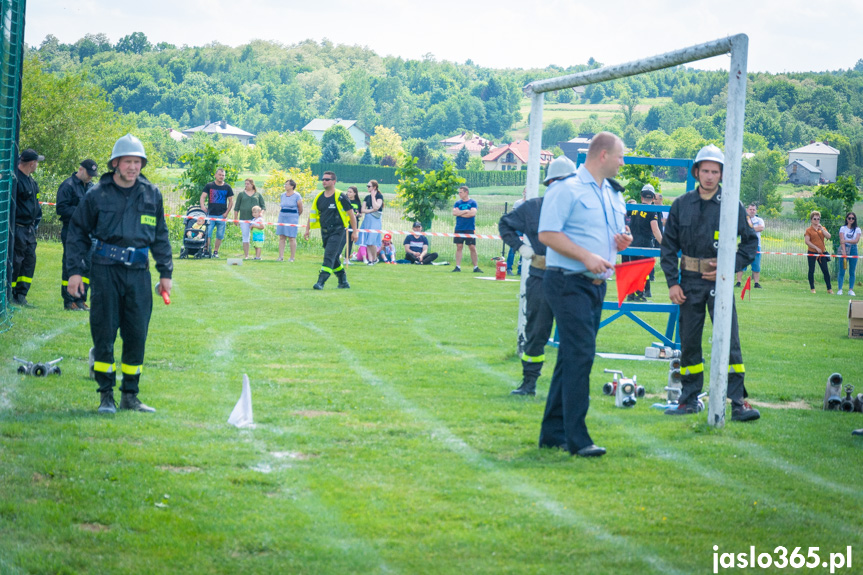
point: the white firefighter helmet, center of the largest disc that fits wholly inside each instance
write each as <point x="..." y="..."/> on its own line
<point x="559" y="168"/>
<point x="128" y="145"/>
<point x="708" y="153"/>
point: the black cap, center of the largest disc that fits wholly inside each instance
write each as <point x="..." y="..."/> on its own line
<point x="647" y="194"/>
<point x="91" y="167"/>
<point x="417" y="225"/>
<point x="29" y="155"/>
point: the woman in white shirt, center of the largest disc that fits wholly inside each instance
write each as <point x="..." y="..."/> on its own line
<point x="849" y="237"/>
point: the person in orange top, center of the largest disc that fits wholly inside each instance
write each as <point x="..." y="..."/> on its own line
<point x="814" y="238"/>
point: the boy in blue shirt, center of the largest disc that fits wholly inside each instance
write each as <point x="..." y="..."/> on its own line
<point x="465" y="223"/>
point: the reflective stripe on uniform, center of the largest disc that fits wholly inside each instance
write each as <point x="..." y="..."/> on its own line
<point x="130" y="369"/>
<point x="326" y="269"/>
<point x="85" y="280"/>
<point x="25" y="279"/>
<point x="65" y="283"/>
<point x="736" y="368"/>
<point x="692" y="369"/>
<point x="533" y="358"/>
<point x="103" y="367"/>
<point x="338" y="269"/>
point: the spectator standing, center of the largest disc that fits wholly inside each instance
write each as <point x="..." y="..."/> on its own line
<point x="645" y="227"/>
<point x="220" y="198"/>
<point x="332" y="213"/>
<point x="69" y="195"/>
<point x="27" y="215"/>
<point x="291" y="208"/>
<point x="757" y="225"/>
<point x="124" y="212"/>
<point x="417" y="247"/>
<point x="373" y="207"/>
<point x="465" y="223"/>
<point x="849" y="237"/>
<point x="582" y="224"/>
<point x="816" y="251"/>
<point x="693" y="229"/>
<point x="357" y="205"/>
<point x="243" y="211"/>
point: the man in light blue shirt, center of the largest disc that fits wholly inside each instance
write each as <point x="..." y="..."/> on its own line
<point x="583" y="225"/>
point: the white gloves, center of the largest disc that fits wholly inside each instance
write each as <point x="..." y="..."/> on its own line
<point x="526" y="251"/>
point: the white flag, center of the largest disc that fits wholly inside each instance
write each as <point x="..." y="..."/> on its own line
<point x="242" y="414"/>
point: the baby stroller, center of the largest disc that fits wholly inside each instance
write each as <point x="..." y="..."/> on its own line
<point x="195" y="234"/>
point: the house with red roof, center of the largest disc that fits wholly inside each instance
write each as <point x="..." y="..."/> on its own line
<point x="512" y="157"/>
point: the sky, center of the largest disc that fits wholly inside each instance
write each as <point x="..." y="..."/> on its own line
<point x="784" y="36"/>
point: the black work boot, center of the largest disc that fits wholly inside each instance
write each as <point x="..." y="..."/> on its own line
<point x="744" y="412"/>
<point x="530" y="373"/>
<point x="647" y="289"/>
<point x="343" y="280"/>
<point x="322" y="279"/>
<point x="107" y="405"/>
<point x="131" y="402"/>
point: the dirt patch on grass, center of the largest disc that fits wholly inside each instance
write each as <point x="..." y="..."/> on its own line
<point x="784" y="405"/>
<point x="93" y="527"/>
<point x="39" y="478"/>
<point x="175" y="469"/>
<point x="315" y="413"/>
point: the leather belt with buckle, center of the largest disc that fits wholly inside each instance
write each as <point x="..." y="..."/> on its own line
<point x="594" y="281"/>
<point x="537" y="262"/>
<point x="698" y="265"/>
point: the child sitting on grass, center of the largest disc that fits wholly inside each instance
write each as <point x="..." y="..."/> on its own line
<point x="257" y="231"/>
<point x="387" y="252"/>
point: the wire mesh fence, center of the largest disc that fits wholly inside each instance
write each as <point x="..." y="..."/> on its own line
<point x="780" y="235"/>
<point x="11" y="60"/>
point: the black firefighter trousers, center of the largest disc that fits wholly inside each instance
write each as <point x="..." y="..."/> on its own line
<point x="700" y="297"/>
<point x="23" y="259"/>
<point x="121" y="298"/>
<point x="538" y="323"/>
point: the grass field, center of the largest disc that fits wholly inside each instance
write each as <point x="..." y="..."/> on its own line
<point x="386" y="441"/>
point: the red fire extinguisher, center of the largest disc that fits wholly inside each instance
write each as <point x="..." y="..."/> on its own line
<point x="500" y="270"/>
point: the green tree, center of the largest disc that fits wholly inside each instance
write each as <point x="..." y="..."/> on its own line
<point x="385" y="142"/>
<point x="330" y="153"/>
<point x="421" y="193"/>
<point x="340" y="135"/>
<point x="843" y="190"/>
<point x="68" y="119"/>
<point x="760" y="178"/>
<point x="462" y="158"/>
<point x="423" y="155"/>
<point x="134" y="43"/>
<point x="637" y="177"/>
<point x="557" y="130"/>
<point x="475" y="163"/>
<point x="367" y="159"/>
<point x="202" y="164"/>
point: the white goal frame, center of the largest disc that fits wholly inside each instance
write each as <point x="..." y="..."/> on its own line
<point x="738" y="47"/>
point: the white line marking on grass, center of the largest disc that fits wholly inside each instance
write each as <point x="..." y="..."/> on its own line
<point x="682" y="459"/>
<point x="505" y="479"/>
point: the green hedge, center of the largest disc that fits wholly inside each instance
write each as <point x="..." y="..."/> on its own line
<point x="483" y="179"/>
<point x="385" y="175"/>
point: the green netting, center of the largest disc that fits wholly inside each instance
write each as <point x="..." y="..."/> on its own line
<point x="11" y="62"/>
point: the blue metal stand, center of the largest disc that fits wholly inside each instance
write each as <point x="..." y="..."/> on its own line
<point x="670" y="338"/>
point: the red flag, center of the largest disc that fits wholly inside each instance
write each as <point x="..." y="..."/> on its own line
<point x="631" y="277"/>
<point x="747" y="286"/>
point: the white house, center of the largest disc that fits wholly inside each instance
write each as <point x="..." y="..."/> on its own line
<point x="800" y="172"/>
<point x="512" y="157"/>
<point x="223" y="129"/>
<point x="473" y="143"/>
<point x="819" y="155"/>
<point x="320" y="125"/>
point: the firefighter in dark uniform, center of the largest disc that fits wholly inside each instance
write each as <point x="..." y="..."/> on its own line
<point x="538" y="316"/>
<point x="69" y="195"/>
<point x="27" y="215"/>
<point x="644" y="227"/>
<point x="124" y="214"/>
<point x="332" y="213"/>
<point x="693" y="230"/>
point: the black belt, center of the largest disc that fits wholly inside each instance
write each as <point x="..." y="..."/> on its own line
<point x="289" y="211"/>
<point x="128" y="256"/>
<point x="567" y="272"/>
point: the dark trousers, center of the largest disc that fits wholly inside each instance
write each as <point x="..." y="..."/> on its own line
<point x="539" y="320"/>
<point x="427" y="259"/>
<point x="700" y="298"/>
<point x="64" y="292"/>
<point x="122" y="298"/>
<point x="23" y="259"/>
<point x="577" y="306"/>
<point x="334" y="243"/>
<point x="825" y="270"/>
